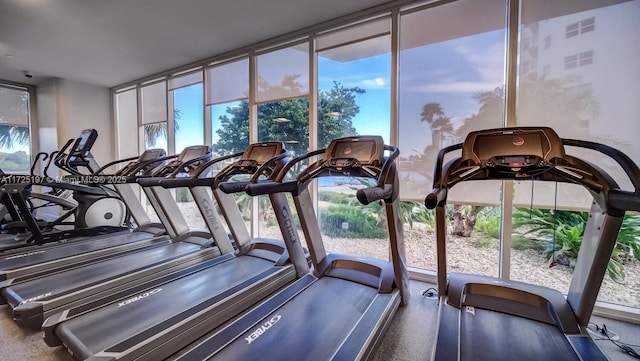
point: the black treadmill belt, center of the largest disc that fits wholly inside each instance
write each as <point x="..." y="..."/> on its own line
<point x="311" y="326"/>
<point x="57" y="284"/>
<point x="495" y="336"/>
<point x="40" y="255"/>
<point x="129" y="320"/>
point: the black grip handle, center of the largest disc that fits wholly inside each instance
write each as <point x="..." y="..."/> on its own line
<point x="173" y="182"/>
<point x="372" y="194"/>
<point x="437" y="196"/>
<point x="233" y="187"/>
<point x="270" y="187"/>
<point x="625" y="200"/>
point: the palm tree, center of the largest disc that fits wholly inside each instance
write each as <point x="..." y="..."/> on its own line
<point x="13" y="114"/>
<point x="155" y="131"/>
<point x="11" y="135"/>
<point x="440" y="125"/>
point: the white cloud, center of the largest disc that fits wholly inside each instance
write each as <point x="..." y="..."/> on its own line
<point x="375" y="83"/>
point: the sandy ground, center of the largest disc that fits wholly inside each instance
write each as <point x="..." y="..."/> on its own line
<point x="465" y="255"/>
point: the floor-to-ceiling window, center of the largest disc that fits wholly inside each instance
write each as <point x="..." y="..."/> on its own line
<point x="187" y="100"/>
<point x="153" y="103"/>
<point x="282" y="97"/>
<point x="15" y="139"/>
<point x="228" y="109"/>
<point x="451" y="81"/>
<point x="227" y="100"/>
<point x="575" y="79"/>
<point x="354" y="82"/>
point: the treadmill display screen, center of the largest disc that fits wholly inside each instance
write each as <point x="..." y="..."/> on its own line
<point x="192" y="153"/>
<point x="362" y="151"/>
<point x="263" y="153"/>
<point x="504" y="145"/>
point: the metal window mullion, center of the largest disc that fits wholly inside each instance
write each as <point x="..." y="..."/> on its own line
<point x="511" y="76"/>
<point x="395" y="61"/>
<point x="170" y="112"/>
<point x="208" y="126"/>
<point x="253" y="136"/>
<point x="141" y="144"/>
<point x="313" y="112"/>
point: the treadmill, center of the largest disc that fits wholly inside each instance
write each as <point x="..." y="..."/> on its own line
<point x="488" y="318"/>
<point x="165" y="314"/>
<point x="34" y="300"/>
<point x="342" y="310"/>
<point x="41" y="261"/>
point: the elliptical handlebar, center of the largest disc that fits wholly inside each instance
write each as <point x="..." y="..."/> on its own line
<point x="61" y="159"/>
<point x="37" y="159"/>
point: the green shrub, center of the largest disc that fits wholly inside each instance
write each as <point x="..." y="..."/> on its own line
<point x="183" y="195"/>
<point x="488" y="222"/>
<point x="361" y="223"/>
<point x="335" y="197"/>
<point x="560" y="235"/>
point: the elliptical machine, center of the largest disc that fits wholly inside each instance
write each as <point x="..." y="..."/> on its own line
<point x="99" y="209"/>
<point x="93" y="210"/>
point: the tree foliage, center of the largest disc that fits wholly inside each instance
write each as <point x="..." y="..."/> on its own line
<point x="288" y="120"/>
<point x="15" y="162"/>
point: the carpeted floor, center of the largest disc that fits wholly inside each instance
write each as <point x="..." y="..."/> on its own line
<point x="409" y="336"/>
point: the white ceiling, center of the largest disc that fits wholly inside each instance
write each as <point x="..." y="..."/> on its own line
<point x="110" y="42"/>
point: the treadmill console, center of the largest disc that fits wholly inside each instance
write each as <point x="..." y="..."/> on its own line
<point x="201" y="153"/>
<point x="144" y="165"/>
<point x="349" y="155"/>
<point x="257" y="154"/>
<point x="516" y="150"/>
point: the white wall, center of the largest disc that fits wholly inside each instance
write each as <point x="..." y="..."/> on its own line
<point x="67" y="107"/>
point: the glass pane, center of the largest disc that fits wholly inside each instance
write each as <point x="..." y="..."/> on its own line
<point x="230" y="127"/>
<point x="451" y="82"/>
<point x="155" y="136"/>
<point x="154" y="103"/>
<point x="15" y="142"/>
<point x="185" y="79"/>
<point x="353" y="98"/>
<point x="283" y="73"/>
<point x="568" y="84"/>
<point x="228" y="82"/>
<point x="353" y="90"/>
<point x="127" y="120"/>
<point x="353" y="33"/>
<point x="347" y="226"/>
<point x="188" y="115"/>
<point x="286" y="121"/>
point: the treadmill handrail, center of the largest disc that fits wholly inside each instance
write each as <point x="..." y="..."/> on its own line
<point x="207" y="165"/>
<point x="629" y="166"/>
<point x="384" y="189"/>
<point x="283" y="172"/>
<point x="254" y="178"/>
<point x="619" y="199"/>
